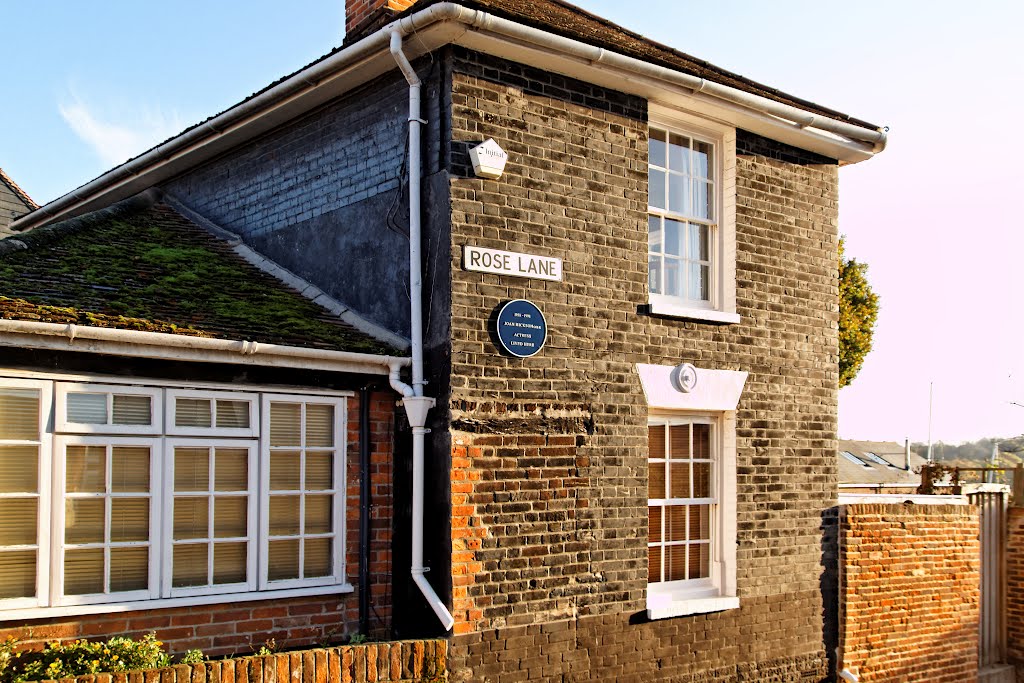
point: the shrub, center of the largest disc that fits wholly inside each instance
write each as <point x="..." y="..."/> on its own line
<point x="81" y="657"/>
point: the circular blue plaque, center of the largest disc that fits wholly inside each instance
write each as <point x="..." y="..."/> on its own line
<point x="522" y="329"/>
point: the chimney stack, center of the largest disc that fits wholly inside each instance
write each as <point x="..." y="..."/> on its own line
<point x="906" y="454"/>
<point x="358" y="13"/>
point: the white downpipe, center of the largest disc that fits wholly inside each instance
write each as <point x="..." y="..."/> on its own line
<point x="417" y="405"/>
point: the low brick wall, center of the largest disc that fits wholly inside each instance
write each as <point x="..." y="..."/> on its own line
<point x="405" y="661"/>
<point x="909" y="592"/>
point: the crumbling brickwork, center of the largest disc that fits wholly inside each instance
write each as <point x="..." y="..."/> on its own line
<point x="909" y="592"/>
<point x="549" y="472"/>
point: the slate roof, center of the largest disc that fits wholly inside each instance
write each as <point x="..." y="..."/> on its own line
<point x="570" y="21"/>
<point x="18" y="192"/>
<point x="143" y="266"/>
<point x="875" y="473"/>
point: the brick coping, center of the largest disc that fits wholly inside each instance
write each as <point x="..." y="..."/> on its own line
<point x="406" y="661"/>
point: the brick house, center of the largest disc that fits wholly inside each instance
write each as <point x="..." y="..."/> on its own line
<point x="14" y="202"/>
<point x="641" y="493"/>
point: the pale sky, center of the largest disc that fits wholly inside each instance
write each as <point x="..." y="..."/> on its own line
<point x="87" y="85"/>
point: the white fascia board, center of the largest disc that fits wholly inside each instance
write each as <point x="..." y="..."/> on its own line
<point x="163" y="346"/>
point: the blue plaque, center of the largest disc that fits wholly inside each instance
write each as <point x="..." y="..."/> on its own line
<point x="522" y="329"/>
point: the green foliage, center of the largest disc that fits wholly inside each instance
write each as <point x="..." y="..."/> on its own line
<point x="267" y="648"/>
<point x="356" y="638"/>
<point x="858" y="312"/>
<point x="193" y="657"/>
<point x="81" y="657"/>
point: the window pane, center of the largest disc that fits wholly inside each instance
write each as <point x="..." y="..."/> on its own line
<point x="654" y="236"/>
<point x="83" y="571"/>
<point x="132" y="410"/>
<point x="702" y="200"/>
<point x="679" y="153"/>
<point x="675" y="563"/>
<point x="84" y="520"/>
<point x="129" y="569"/>
<point x="319" y="471"/>
<point x="700" y="522"/>
<point x="190" y="565"/>
<point x="656" y="189"/>
<point x="675" y="522"/>
<point x="319" y="426"/>
<point x="701" y="442"/>
<point x="191" y="517"/>
<point x="283" y="560"/>
<point x="318" y="515"/>
<point x="129" y="520"/>
<point x="19" y="415"/>
<point x="284" y="471"/>
<point x="18" y="521"/>
<point x="678" y="193"/>
<point x="679" y="446"/>
<point x="654" y="524"/>
<point x="700" y="561"/>
<point x="231" y="469"/>
<point x="285" y="424"/>
<point x="230" y="517"/>
<point x="90" y="409"/>
<point x="698" y="284"/>
<point x="86" y="469"/>
<point x="191" y="469"/>
<point x="317" y="557"/>
<point x="129" y="469"/>
<point x="229" y="562"/>
<point x="18" y="574"/>
<point x="697" y="249"/>
<point x="656" y="147"/>
<point x="192" y="412"/>
<point x="680" y="480"/>
<point x="656" y="441"/>
<point x="702" y="159"/>
<point x="233" y="414"/>
<point x="672" y="274"/>
<point x="656" y="480"/>
<point x="702" y="480"/>
<point x="654" y="274"/>
<point x="284" y="515"/>
<point x="19" y="469"/>
<point x="674" y="231"/>
<point x="654" y="564"/>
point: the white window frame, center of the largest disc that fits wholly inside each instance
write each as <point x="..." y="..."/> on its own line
<point x="43" y="494"/>
<point x="172" y="429"/>
<point x="339" y="490"/>
<point x="61" y="424"/>
<point x="721" y="307"/>
<point x="49" y="602"/>
<point x="167" y="513"/>
<point x="61" y="443"/>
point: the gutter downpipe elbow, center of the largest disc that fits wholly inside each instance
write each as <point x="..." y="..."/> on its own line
<point x="416" y="404"/>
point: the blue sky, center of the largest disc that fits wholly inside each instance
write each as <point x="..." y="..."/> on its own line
<point x="88" y="84"/>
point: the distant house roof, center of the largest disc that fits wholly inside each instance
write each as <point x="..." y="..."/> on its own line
<point x="144" y="266"/>
<point x="18" y="192"/>
<point x="565" y="19"/>
<point x="876" y="462"/>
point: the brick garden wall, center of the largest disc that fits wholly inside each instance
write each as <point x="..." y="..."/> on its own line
<point x="909" y="592"/>
<point x="549" y="472"/>
<point x="242" y="627"/>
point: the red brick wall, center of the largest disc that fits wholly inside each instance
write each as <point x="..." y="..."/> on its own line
<point x="909" y="592"/>
<point x="1015" y="586"/>
<point x="242" y="627"/>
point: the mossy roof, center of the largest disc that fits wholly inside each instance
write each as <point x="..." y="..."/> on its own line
<point x="149" y="268"/>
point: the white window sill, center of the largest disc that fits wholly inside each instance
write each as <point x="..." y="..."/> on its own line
<point x="689" y="313"/>
<point x="147" y="605"/>
<point x="665" y="609"/>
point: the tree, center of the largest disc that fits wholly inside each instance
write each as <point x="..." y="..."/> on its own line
<point x="858" y="311"/>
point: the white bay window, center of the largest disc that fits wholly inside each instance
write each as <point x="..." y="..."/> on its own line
<point x="144" y="495"/>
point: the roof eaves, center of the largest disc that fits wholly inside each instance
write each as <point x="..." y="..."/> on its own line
<point x="19" y="193"/>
